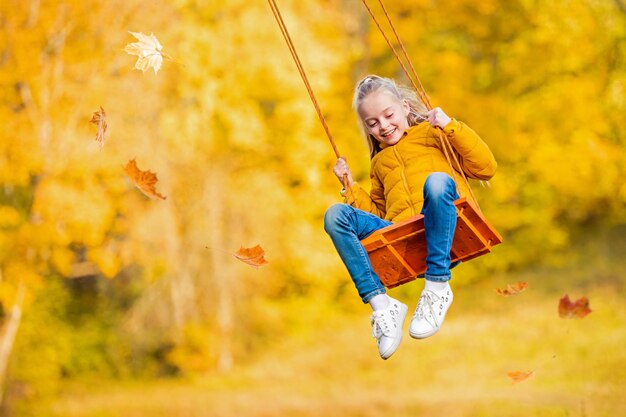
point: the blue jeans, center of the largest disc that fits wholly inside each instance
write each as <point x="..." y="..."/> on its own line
<point x="347" y="226"/>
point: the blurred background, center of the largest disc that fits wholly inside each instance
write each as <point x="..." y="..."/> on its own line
<point x="114" y="304"/>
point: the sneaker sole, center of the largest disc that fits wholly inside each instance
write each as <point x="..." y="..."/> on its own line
<point x="403" y="312"/>
<point x="422" y="335"/>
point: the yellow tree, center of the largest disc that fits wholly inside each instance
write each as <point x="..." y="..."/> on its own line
<point x="63" y="200"/>
<point x="247" y="158"/>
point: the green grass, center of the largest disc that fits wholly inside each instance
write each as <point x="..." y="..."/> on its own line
<point x="334" y="369"/>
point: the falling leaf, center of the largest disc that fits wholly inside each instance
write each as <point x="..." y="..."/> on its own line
<point x="99" y="118"/>
<point x="512" y="289"/>
<point x="577" y="309"/>
<point x="519" y="376"/>
<point x="144" y="180"/>
<point x="148" y="51"/>
<point x="251" y="256"/>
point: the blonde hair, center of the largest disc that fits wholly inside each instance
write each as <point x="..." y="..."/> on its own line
<point x="372" y="83"/>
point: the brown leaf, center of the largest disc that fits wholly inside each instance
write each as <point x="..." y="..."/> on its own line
<point x="99" y="118"/>
<point x="519" y="376"/>
<point x="577" y="309"/>
<point x="251" y="256"/>
<point x="144" y="180"/>
<point x="512" y="289"/>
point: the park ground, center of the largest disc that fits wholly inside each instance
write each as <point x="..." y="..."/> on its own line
<point x="332" y="368"/>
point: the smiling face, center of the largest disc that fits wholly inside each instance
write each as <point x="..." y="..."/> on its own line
<point x="385" y="116"/>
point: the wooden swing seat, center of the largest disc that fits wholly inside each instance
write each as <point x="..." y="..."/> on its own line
<point x="398" y="251"/>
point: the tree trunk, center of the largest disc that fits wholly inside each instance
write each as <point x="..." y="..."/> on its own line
<point x="221" y="276"/>
<point x="8" y="336"/>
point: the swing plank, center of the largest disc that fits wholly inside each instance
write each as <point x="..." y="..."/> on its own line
<point x="398" y="252"/>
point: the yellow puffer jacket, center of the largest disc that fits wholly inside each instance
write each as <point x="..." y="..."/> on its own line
<point x="399" y="171"/>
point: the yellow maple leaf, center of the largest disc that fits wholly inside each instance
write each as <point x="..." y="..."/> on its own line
<point x="148" y="50"/>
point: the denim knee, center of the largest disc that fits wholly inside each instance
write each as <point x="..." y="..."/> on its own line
<point x="437" y="184"/>
<point x="335" y="215"/>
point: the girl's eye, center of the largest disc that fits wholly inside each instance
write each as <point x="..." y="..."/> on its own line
<point x="371" y="125"/>
<point x="389" y="116"/>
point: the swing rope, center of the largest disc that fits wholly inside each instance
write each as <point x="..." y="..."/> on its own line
<point x="421" y="92"/>
<point x="415" y="82"/>
<point x="296" y="58"/>
<point x="294" y="54"/>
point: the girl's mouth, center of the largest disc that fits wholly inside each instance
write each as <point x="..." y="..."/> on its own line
<point x="387" y="134"/>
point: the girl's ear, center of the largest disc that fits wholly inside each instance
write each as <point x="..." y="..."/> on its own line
<point x="406" y="108"/>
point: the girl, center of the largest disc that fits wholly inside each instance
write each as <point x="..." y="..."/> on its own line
<point x="408" y="176"/>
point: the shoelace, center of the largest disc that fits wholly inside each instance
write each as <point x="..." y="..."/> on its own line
<point x="380" y="326"/>
<point x="426" y="302"/>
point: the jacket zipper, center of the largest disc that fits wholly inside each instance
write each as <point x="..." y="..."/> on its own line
<point x="406" y="185"/>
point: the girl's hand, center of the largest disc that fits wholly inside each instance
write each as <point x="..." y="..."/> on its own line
<point x="437" y="118"/>
<point x="341" y="168"/>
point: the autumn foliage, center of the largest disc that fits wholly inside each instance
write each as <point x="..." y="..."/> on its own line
<point x="573" y="309"/>
<point x="99" y="119"/>
<point x="242" y="158"/>
<point x="512" y="289"/>
<point x="254" y="256"/>
<point x="143" y="180"/>
<point x="519" y="376"/>
<point x="148" y="51"/>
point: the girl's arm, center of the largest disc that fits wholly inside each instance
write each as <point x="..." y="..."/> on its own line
<point x="374" y="202"/>
<point x="475" y="157"/>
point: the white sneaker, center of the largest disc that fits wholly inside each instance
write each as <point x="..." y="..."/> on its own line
<point x="387" y="327"/>
<point x="430" y="312"/>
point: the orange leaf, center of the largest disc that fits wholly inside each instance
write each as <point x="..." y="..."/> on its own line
<point x="251" y="256"/>
<point x="99" y="118"/>
<point x="519" y="376"/>
<point x="577" y="309"/>
<point x="144" y="180"/>
<point x="512" y="289"/>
